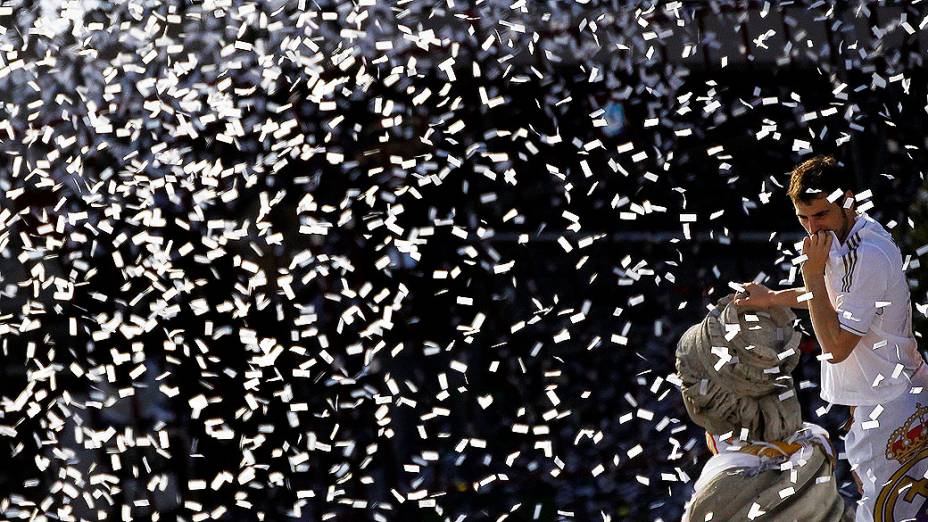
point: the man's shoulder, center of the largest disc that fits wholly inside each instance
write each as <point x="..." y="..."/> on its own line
<point x="875" y="233"/>
<point x="875" y="253"/>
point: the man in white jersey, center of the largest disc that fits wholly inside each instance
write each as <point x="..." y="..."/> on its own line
<point x="858" y="299"/>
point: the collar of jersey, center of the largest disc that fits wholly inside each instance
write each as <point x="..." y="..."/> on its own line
<point x="859" y="229"/>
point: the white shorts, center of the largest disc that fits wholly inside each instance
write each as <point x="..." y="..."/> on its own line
<point x="890" y="457"/>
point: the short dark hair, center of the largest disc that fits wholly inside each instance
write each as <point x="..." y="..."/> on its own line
<point x="818" y="177"/>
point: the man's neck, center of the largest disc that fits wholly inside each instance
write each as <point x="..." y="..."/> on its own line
<point x="850" y="226"/>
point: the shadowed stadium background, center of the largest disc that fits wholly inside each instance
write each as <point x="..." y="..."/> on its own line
<point x="409" y="260"/>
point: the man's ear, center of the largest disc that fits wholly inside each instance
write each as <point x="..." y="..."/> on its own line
<point x="848" y="199"/>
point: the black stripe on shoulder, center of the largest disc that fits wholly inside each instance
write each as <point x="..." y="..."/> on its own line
<point x="852" y="265"/>
<point x="854" y="242"/>
<point x="844" y="260"/>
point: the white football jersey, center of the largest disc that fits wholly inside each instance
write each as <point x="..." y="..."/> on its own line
<point x="868" y="289"/>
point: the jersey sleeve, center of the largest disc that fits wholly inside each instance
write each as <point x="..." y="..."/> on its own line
<point x="862" y="287"/>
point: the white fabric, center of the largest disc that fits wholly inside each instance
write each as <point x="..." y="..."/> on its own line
<point x="724" y="462"/>
<point x="728" y="456"/>
<point x="866" y="445"/>
<point x="869" y="291"/>
<point x="809" y="433"/>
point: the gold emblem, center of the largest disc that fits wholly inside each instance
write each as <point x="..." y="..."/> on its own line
<point x="908" y="439"/>
<point x="907" y="445"/>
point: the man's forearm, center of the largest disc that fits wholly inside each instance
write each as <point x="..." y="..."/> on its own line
<point x="824" y="318"/>
<point x="790" y="298"/>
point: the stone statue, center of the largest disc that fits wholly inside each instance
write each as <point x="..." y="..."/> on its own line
<point x="734" y="369"/>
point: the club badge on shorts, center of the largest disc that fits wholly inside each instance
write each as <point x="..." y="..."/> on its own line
<point x="905" y="495"/>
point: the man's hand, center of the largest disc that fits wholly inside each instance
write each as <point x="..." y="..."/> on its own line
<point x="816" y="249"/>
<point x="755" y="296"/>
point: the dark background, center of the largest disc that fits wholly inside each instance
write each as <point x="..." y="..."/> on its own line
<point x="366" y="413"/>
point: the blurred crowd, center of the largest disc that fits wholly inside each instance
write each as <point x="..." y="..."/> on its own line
<point x="412" y="261"/>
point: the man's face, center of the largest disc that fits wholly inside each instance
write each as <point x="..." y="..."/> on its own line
<point x="819" y="215"/>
